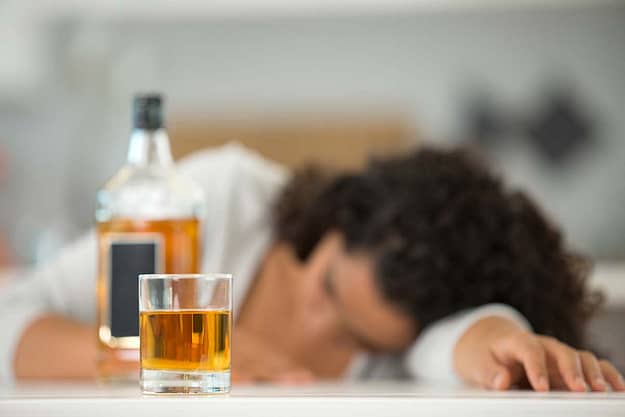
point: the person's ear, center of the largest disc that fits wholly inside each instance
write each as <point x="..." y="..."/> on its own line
<point x="329" y="246"/>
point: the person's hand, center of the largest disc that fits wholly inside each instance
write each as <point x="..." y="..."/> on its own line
<point x="254" y="361"/>
<point x="496" y="354"/>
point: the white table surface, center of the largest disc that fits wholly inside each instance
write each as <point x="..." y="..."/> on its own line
<point x="362" y="400"/>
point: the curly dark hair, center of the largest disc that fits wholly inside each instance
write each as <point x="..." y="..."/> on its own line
<point x="445" y="235"/>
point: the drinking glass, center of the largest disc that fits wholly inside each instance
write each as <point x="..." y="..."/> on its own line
<point x="185" y="328"/>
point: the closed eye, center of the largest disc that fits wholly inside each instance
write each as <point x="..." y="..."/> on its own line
<point x="327" y="284"/>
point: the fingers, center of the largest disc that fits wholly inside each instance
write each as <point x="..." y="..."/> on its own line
<point x="276" y="366"/>
<point x="295" y="377"/>
<point x="592" y="371"/>
<point x="547" y="363"/>
<point x="525" y="348"/>
<point x="568" y="362"/>
<point x="241" y="378"/>
<point x="611" y="375"/>
<point x="490" y="374"/>
<point x="278" y="373"/>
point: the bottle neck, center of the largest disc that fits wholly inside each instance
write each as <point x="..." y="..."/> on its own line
<point x="149" y="148"/>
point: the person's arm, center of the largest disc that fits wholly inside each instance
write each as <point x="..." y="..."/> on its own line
<point x="39" y="339"/>
<point x="35" y="310"/>
<point x="496" y="353"/>
<point x="430" y="359"/>
<point x="56" y="347"/>
<point x="493" y="346"/>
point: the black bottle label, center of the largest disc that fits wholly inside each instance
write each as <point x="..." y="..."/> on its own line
<point x="129" y="256"/>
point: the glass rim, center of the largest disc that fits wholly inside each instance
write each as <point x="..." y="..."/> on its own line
<point x="208" y="276"/>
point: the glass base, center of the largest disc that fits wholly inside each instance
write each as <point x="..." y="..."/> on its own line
<point x="184" y="382"/>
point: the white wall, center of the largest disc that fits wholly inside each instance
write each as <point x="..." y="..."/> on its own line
<point x="73" y="131"/>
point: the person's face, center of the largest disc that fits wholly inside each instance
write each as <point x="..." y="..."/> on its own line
<point x="344" y="284"/>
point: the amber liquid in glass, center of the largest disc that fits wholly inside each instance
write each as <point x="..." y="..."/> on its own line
<point x="118" y="358"/>
<point x="187" y="340"/>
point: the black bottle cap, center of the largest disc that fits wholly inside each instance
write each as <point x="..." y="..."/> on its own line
<point x="147" y="111"/>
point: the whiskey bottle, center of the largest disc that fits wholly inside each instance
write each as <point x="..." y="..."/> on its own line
<point x="148" y="221"/>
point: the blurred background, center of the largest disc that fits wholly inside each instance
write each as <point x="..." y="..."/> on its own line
<point x="538" y="85"/>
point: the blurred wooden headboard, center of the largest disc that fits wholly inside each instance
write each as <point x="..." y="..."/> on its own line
<point x="343" y="142"/>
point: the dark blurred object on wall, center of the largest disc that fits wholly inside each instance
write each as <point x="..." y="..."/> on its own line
<point x="485" y="119"/>
<point x="558" y="127"/>
<point x="561" y="127"/>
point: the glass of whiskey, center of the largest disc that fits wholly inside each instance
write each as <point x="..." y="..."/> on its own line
<point x="185" y="328"/>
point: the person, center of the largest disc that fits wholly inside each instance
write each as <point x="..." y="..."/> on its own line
<point x="421" y="265"/>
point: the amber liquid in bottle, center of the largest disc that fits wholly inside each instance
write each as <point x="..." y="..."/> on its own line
<point x="186" y="340"/>
<point x="178" y="253"/>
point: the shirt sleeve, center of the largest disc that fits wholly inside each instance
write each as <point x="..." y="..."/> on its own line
<point x="64" y="286"/>
<point x="431" y="357"/>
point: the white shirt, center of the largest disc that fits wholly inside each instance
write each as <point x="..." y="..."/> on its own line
<point x="240" y="188"/>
